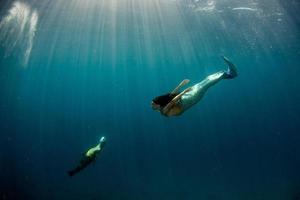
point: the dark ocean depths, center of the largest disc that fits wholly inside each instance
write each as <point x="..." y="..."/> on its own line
<point x="73" y="71"/>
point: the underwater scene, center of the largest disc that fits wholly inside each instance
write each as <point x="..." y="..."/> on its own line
<point x="149" y="99"/>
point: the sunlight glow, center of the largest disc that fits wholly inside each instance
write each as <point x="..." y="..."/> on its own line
<point x="245" y="8"/>
<point x="17" y="31"/>
<point x="206" y="6"/>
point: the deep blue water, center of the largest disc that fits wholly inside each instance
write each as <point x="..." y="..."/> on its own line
<point x="73" y="71"/>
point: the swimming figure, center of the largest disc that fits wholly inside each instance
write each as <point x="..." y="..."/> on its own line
<point x="176" y="103"/>
<point x="88" y="157"/>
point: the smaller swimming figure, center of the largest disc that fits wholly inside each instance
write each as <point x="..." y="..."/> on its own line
<point x="176" y="103"/>
<point x="89" y="157"/>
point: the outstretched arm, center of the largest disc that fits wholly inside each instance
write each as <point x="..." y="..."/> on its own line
<point x="167" y="108"/>
<point x="183" y="83"/>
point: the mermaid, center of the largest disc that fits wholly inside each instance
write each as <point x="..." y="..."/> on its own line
<point x="89" y="157"/>
<point x="176" y="103"/>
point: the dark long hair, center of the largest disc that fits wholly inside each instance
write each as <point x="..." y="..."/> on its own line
<point x="163" y="100"/>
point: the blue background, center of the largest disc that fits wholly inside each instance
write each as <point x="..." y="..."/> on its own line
<point x="93" y="70"/>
